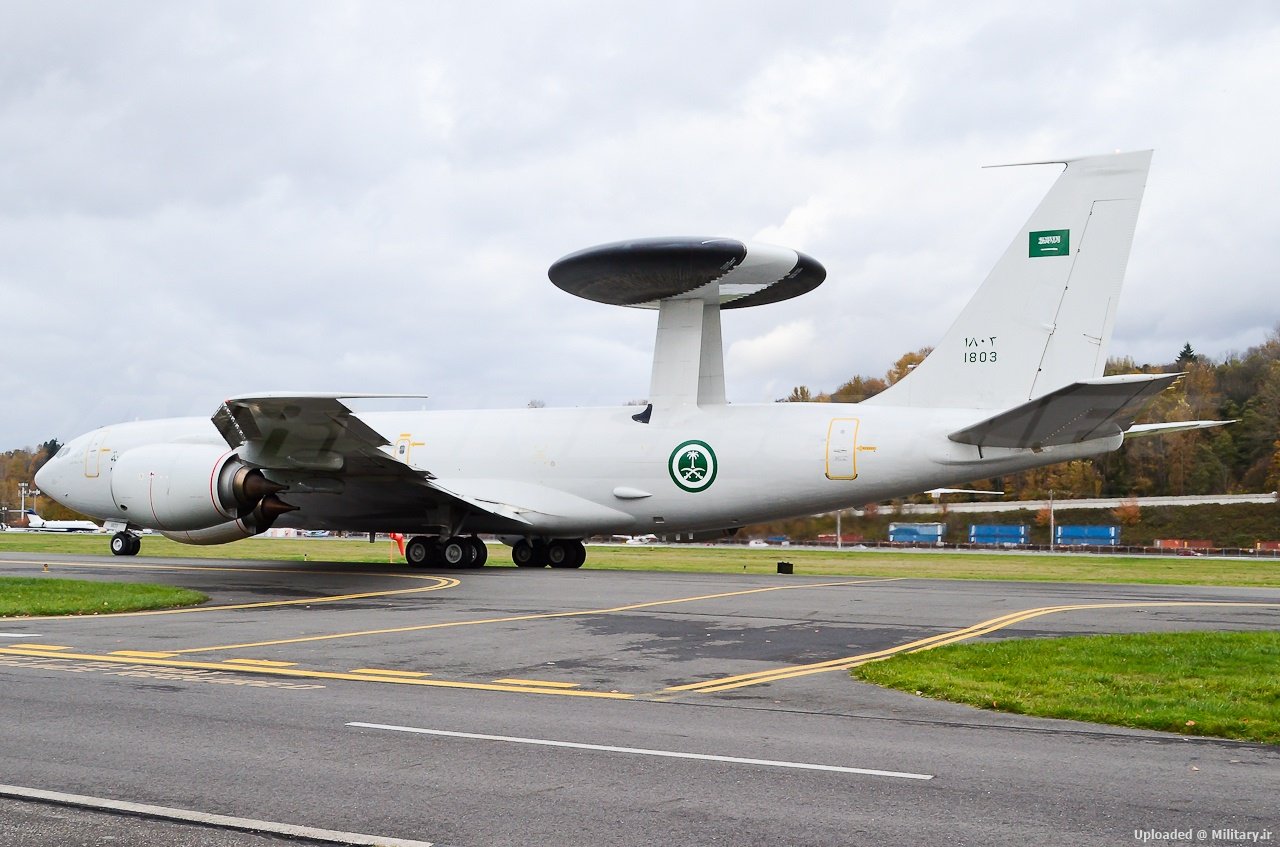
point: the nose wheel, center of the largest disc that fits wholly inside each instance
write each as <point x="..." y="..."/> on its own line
<point x="125" y="544"/>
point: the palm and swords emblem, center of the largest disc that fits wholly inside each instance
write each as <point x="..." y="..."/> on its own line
<point x="693" y="466"/>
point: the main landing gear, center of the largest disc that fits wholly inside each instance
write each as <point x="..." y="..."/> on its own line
<point x="430" y="551"/>
<point x="558" y="553"/>
<point x="125" y="544"/>
<point x="433" y="551"/>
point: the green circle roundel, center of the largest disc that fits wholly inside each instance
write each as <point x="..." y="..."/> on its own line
<point x="693" y="466"/>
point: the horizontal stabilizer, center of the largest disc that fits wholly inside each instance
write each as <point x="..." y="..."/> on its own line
<point x="1082" y="411"/>
<point x="1138" y="430"/>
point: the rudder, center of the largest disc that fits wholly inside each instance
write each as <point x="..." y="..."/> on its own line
<point x="1043" y="317"/>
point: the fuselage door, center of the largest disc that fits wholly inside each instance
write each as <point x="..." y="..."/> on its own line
<point x="404" y="448"/>
<point x="93" y="454"/>
<point x="842" y="448"/>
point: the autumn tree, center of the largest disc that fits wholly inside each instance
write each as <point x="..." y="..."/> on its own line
<point x="858" y="389"/>
<point x="1128" y="513"/>
<point x="906" y="363"/>
<point x="799" y="394"/>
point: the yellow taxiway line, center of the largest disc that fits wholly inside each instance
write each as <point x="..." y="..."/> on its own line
<point x="437" y="583"/>
<point x="789" y="672"/>
<point x="364" y="675"/>
<point x="532" y="686"/>
<point x="528" y="617"/>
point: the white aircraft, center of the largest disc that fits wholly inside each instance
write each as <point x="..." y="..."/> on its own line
<point x="35" y="523"/>
<point x="1016" y="383"/>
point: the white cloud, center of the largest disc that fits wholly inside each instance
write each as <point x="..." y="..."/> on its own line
<point x="202" y="199"/>
<point x="783" y="349"/>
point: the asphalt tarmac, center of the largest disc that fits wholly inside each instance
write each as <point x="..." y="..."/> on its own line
<point x="506" y="706"/>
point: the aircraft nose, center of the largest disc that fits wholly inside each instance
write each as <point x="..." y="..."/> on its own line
<point x="44" y="476"/>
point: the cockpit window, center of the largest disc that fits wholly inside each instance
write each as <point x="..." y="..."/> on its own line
<point x="66" y="448"/>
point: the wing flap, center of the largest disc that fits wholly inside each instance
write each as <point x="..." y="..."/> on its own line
<point x="304" y="432"/>
<point x="522" y="501"/>
<point x="1082" y="411"/>
<point x="1141" y="430"/>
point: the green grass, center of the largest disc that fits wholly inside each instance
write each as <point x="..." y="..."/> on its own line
<point x="1221" y="684"/>
<point x="30" y="596"/>
<point x="698" y="559"/>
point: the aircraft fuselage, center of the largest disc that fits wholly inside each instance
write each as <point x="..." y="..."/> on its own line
<point x="594" y="471"/>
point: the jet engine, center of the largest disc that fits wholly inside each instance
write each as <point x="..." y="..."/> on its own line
<point x="258" y="520"/>
<point x="194" y="487"/>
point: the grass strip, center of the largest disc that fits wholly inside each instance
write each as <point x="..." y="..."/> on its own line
<point x="37" y="596"/>
<point x="1060" y="567"/>
<point x="1221" y="684"/>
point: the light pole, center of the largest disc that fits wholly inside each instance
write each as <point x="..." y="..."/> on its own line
<point x="837" y="530"/>
<point x="22" y="491"/>
<point x="1052" y="533"/>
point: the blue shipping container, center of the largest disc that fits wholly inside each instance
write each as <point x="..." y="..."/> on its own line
<point x="999" y="533"/>
<point x="917" y="533"/>
<point x="1087" y="535"/>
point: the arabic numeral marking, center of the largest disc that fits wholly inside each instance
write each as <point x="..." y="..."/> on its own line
<point x="979" y="357"/>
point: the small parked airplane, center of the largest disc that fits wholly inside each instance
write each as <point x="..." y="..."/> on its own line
<point x="1015" y="383"/>
<point x="35" y="523"/>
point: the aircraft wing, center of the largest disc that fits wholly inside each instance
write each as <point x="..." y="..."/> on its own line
<point x="304" y="432"/>
<point x="338" y="472"/>
<point x="1094" y="408"/>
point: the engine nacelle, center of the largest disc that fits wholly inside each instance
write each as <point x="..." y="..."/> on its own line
<point x="221" y="534"/>
<point x="190" y="487"/>
<point x="258" y="520"/>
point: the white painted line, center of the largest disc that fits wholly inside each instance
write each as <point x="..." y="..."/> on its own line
<point x="327" y="836"/>
<point x="670" y="754"/>
<point x="19" y="635"/>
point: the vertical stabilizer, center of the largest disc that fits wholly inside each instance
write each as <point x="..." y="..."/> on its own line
<point x="1044" y="315"/>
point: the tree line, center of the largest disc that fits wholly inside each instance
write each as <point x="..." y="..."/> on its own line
<point x="19" y="466"/>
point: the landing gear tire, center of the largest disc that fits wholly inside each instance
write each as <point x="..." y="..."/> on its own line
<point x="420" y="552"/>
<point x="125" y="544"/>
<point x="481" y="552"/>
<point x="558" y="554"/>
<point x="457" y="552"/>
<point x="525" y="555"/>
<point x="566" y="553"/>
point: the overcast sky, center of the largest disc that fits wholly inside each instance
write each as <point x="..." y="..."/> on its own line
<point x="204" y="199"/>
